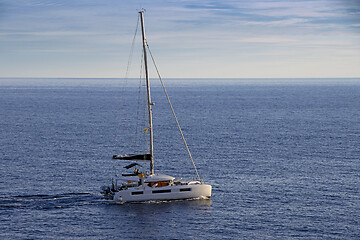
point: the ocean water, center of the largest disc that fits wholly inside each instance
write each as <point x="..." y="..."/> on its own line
<point x="283" y="157"/>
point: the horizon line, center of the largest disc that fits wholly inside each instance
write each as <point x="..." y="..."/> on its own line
<point x="184" y="78"/>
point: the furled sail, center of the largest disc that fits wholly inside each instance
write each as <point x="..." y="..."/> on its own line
<point x="146" y="156"/>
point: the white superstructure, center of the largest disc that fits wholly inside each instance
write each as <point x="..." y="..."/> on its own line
<point x="155" y="187"/>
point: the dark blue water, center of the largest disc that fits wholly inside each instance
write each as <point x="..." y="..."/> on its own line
<point x="283" y="159"/>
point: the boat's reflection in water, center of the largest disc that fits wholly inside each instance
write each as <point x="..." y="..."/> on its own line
<point x="149" y="218"/>
<point x="203" y="204"/>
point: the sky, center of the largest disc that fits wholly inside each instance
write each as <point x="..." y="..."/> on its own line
<point x="189" y="39"/>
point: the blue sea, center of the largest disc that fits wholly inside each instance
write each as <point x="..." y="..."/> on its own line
<point x="282" y="155"/>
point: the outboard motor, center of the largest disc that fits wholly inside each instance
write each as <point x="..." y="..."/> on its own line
<point x="105" y="190"/>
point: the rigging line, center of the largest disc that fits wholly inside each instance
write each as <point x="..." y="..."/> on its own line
<point x="132" y="48"/>
<point x="122" y="101"/>
<point x="138" y="107"/>
<point x="133" y="138"/>
<point x="173" y="112"/>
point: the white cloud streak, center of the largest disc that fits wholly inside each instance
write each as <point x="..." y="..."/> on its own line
<point x="190" y="31"/>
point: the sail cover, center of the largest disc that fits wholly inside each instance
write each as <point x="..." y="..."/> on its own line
<point x="146" y="156"/>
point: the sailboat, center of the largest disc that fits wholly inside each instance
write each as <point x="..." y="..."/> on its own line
<point x="140" y="185"/>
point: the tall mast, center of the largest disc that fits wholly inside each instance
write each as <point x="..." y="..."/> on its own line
<point x="148" y="94"/>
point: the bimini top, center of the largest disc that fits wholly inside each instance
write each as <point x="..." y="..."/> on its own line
<point x="157" y="177"/>
<point x="128" y="178"/>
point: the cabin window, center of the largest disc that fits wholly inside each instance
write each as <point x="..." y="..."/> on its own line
<point x="137" y="193"/>
<point x="162" y="191"/>
<point x="185" y="189"/>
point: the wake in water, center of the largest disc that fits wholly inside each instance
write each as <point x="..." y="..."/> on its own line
<point x="65" y="200"/>
<point x="44" y="201"/>
<point x="201" y="201"/>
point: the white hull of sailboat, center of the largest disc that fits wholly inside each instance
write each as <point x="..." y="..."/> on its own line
<point x="145" y="193"/>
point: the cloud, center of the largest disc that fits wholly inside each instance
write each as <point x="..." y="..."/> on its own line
<point x="269" y="39"/>
<point x="283" y="22"/>
<point x="183" y="31"/>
